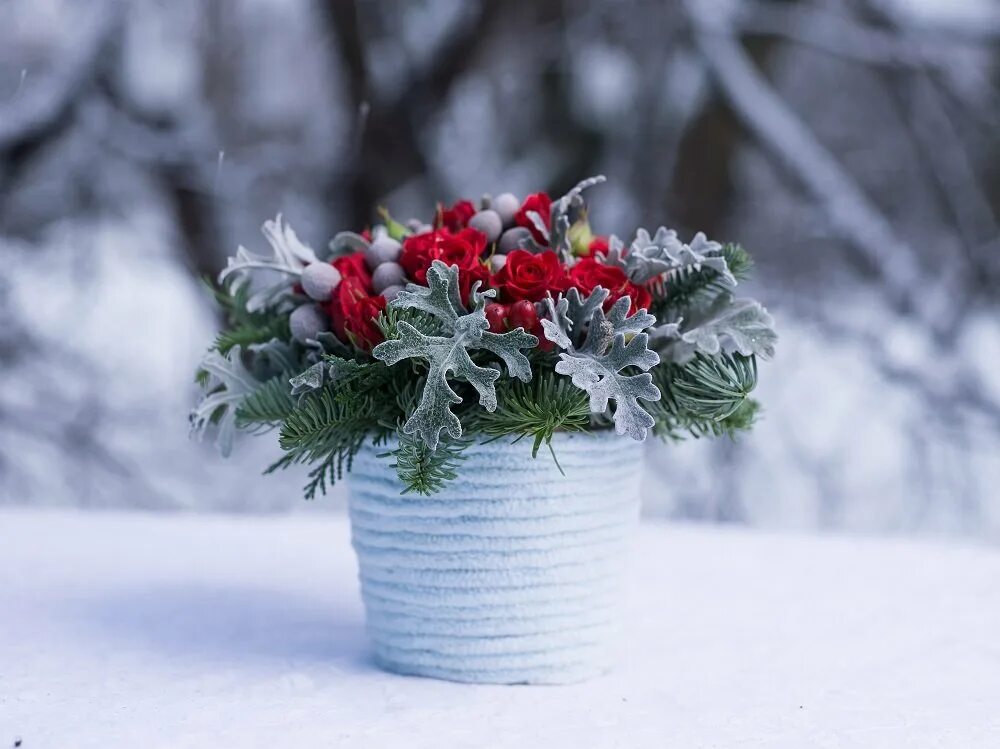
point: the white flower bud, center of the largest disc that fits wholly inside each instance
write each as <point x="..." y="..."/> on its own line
<point x="506" y="205"/>
<point x="386" y="275"/>
<point x="319" y="280"/>
<point x="383" y="249"/>
<point x="489" y="223"/>
<point x="306" y="322"/>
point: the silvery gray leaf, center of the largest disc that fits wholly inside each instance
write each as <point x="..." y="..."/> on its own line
<point x="447" y="355"/>
<point x="274" y="357"/>
<point x="726" y="326"/>
<point x="272" y="275"/>
<point x="564" y="212"/>
<point x="229" y="383"/>
<point x="664" y="253"/>
<point x="596" y="365"/>
<point x="346" y="242"/>
<point x="312" y="379"/>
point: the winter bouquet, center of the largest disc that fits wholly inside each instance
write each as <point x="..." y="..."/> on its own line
<point x="419" y="356"/>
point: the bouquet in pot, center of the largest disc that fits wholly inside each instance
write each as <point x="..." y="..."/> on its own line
<point x="504" y="320"/>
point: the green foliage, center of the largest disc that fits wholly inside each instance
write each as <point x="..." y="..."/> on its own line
<point x="423" y="469"/>
<point x="708" y="396"/>
<point x="448" y="355"/>
<point x="328" y="427"/>
<point x="267" y="407"/>
<point x="538" y="409"/>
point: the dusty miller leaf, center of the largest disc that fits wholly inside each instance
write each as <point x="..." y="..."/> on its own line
<point x="447" y="355"/>
<point x="663" y="253"/>
<point x="273" y="275"/>
<point x="725" y="326"/>
<point x="596" y="364"/>
<point x="564" y="212"/>
<point x="229" y="383"/>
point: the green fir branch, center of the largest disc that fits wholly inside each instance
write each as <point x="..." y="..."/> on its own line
<point x="708" y="396"/>
<point x="425" y="470"/>
<point x="267" y="407"/>
<point x="538" y="409"/>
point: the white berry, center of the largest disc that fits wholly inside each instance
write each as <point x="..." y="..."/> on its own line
<point x="497" y="262"/>
<point x="382" y="250"/>
<point x="319" y="280"/>
<point x="506" y="205"/>
<point x="306" y="322"/>
<point x="391" y="292"/>
<point x="510" y="238"/>
<point x="386" y="275"/>
<point x="489" y="223"/>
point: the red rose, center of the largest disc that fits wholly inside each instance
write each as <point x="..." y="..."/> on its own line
<point x="541" y="204"/>
<point x="588" y="274"/>
<point x="353" y="266"/>
<point x="531" y="277"/>
<point x="462" y="249"/>
<point x="353" y="311"/>
<point x="598" y="245"/>
<point x="457" y="217"/>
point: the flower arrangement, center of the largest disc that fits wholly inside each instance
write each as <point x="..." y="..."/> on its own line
<point x="506" y="319"/>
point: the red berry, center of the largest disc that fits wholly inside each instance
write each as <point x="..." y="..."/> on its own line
<point x="495" y="314"/>
<point x="522" y="314"/>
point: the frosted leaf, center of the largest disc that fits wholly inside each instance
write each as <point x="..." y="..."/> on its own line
<point x="596" y="365"/>
<point x="272" y="275"/>
<point x="347" y="242"/>
<point x="274" y="357"/>
<point x="649" y="257"/>
<point x="725" y="326"/>
<point x="447" y="355"/>
<point x="330" y="369"/>
<point x="229" y="383"/>
<point x="564" y="213"/>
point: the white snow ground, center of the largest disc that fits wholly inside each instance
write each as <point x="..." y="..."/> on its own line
<point x="184" y="631"/>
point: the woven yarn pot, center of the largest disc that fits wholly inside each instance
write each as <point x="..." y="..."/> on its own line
<point x="509" y="575"/>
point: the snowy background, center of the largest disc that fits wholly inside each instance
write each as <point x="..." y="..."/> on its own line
<point x="853" y="147"/>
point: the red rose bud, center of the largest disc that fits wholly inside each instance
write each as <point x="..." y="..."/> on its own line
<point x="353" y="266"/>
<point x="522" y="314"/>
<point x="589" y="273"/>
<point x="541" y="204"/>
<point x="457" y="217"/>
<point x="495" y="314"/>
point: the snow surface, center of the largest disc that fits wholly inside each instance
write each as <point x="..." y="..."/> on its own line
<point x="198" y="631"/>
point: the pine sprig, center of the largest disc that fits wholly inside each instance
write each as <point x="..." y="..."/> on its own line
<point x="327" y="427"/>
<point x="538" y="410"/>
<point x="708" y="396"/>
<point x="424" y="470"/>
<point x="267" y="407"/>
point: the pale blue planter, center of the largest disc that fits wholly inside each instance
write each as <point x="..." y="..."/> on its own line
<point x="511" y="574"/>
